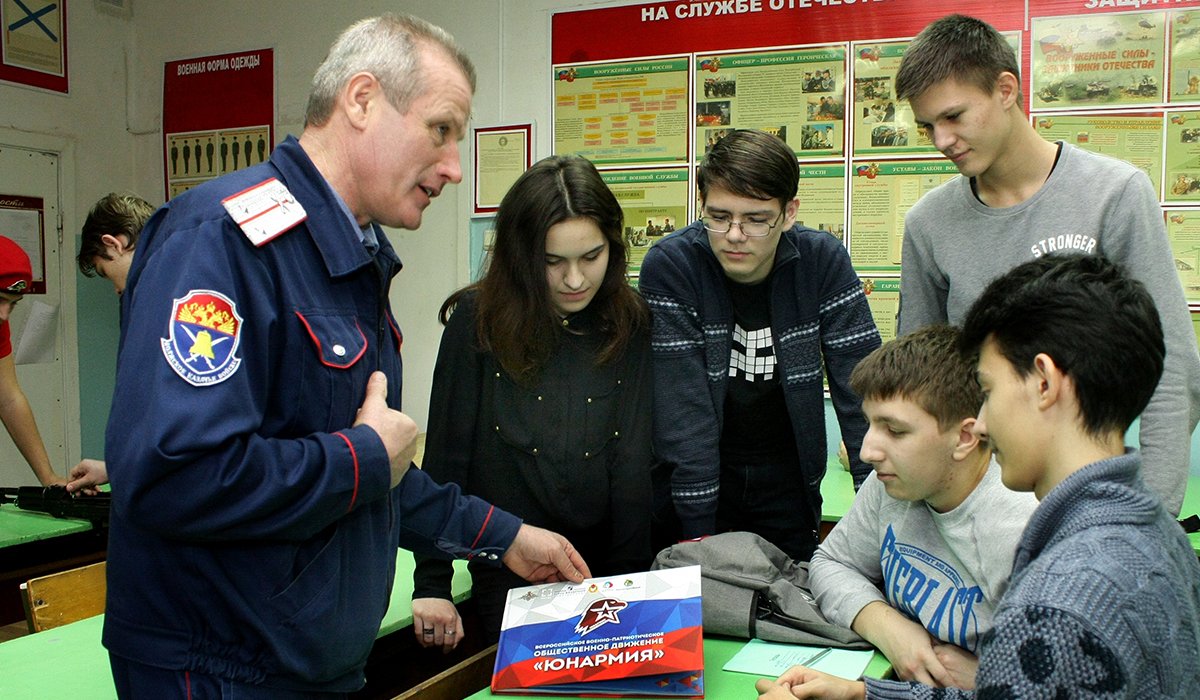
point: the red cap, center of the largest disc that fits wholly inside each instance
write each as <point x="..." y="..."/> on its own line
<point x="16" y="277"/>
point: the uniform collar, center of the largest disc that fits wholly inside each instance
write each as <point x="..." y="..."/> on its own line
<point x="338" y="236"/>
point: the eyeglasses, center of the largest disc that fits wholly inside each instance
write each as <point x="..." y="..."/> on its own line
<point x="751" y="229"/>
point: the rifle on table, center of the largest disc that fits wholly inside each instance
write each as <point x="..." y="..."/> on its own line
<point x="56" y="501"/>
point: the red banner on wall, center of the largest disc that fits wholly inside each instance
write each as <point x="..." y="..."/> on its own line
<point x="218" y="116"/>
<point x="683" y="26"/>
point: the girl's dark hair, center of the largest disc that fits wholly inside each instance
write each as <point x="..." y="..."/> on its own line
<point x="516" y="320"/>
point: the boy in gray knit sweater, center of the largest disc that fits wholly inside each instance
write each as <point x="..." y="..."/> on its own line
<point x="1021" y="197"/>
<point x="1104" y="597"/>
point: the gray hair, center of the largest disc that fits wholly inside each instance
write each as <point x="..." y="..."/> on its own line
<point x="388" y="47"/>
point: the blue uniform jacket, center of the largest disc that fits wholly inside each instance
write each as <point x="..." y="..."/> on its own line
<point x="253" y="531"/>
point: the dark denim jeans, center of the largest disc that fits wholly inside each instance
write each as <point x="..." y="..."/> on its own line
<point x="772" y="500"/>
<point x="135" y="681"/>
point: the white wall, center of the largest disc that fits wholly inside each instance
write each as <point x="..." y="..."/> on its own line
<point x="89" y="128"/>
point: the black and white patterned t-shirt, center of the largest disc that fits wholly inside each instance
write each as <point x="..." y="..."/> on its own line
<point x="756" y="426"/>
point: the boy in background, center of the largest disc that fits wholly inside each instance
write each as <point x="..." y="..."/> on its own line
<point x="106" y="245"/>
<point x="1021" y="197"/>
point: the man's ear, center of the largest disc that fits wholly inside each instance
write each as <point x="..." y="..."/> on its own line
<point x="357" y="97"/>
<point x="1051" y="380"/>
<point x="116" y="244"/>
<point x="967" y="439"/>
<point x="1009" y="87"/>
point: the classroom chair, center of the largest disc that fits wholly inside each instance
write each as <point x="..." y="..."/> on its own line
<point x="64" y="597"/>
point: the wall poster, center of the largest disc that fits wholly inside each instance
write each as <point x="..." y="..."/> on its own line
<point x="1183" y="157"/>
<point x="883" y="296"/>
<point x="654" y="202"/>
<point x="33" y="43"/>
<point x="822" y="196"/>
<point x="882" y="124"/>
<point x="881" y="193"/>
<point x="481" y="239"/>
<point x="218" y="116"/>
<point x="1098" y="60"/>
<point x="1184" y="78"/>
<point x="1183" y="230"/>
<point x="798" y="95"/>
<point x="1133" y="137"/>
<point x="623" y="113"/>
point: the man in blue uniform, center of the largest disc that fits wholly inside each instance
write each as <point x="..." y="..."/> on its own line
<point x="259" y="464"/>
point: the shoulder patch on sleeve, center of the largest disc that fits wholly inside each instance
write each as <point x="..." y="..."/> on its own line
<point x="265" y="210"/>
<point x="204" y="332"/>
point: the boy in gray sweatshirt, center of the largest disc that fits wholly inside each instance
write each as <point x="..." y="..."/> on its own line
<point x="922" y="557"/>
<point x="1021" y="197"/>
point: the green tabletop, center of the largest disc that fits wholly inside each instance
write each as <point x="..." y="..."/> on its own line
<point x="66" y="663"/>
<point x="718" y="683"/>
<point x="18" y="526"/>
<point x="837" y="491"/>
<point x="69" y="663"/>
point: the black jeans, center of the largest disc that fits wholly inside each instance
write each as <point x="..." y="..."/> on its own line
<point x="771" y="499"/>
<point x="489" y="591"/>
<point x="134" y="680"/>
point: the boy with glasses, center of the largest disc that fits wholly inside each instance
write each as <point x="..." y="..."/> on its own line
<point x="749" y="307"/>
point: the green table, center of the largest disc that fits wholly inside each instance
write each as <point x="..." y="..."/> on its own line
<point x="20" y="526"/>
<point x="1191" y="506"/>
<point x="69" y="663"/>
<point x="34" y="544"/>
<point x="720" y="684"/>
<point x="837" y="492"/>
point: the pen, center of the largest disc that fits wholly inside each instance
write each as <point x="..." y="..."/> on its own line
<point x="816" y="657"/>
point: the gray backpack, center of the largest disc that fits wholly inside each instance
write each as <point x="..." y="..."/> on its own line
<point x="751" y="589"/>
